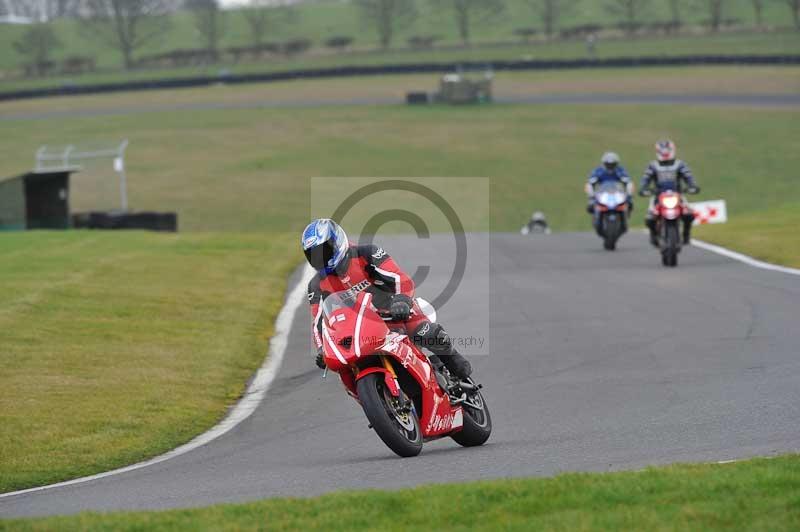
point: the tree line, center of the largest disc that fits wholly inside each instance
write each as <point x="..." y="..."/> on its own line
<point x="129" y="25"/>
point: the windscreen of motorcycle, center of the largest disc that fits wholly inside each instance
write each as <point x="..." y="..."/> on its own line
<point x="611" y="193"/>
<point x="337" y="301"/>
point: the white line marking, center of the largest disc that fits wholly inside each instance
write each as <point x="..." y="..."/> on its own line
<point x="744" y="258"/>
<point x="357" y="339"/>
<point x="247" y="404"/>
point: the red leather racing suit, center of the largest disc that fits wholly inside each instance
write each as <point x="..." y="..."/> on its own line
<point x="369" y="268"/>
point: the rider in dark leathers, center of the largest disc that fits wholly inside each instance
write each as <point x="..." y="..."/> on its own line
<point x="342" y="265"/>
<point x="667" y="173"/>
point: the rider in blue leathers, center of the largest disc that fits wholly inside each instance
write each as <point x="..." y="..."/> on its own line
<point x="609" y="170"/>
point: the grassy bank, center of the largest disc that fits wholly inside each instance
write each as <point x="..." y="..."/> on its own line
<point x="758" y="494"/>
<point x="115" y="348"/>
<point x="319" y="21"/>
<point x="721" y="44"/>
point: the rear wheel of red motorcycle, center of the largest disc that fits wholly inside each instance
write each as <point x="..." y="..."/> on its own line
<point x="399" y="429"/>
<point x="477" y="422"/>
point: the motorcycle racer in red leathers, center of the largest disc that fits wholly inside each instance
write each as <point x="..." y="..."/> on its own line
<point x="341" y="265"/>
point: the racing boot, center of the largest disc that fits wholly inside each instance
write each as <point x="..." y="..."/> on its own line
<point x="651" y="225"/>
<point x="687" y="229"/>
<point x="457" y="364"/>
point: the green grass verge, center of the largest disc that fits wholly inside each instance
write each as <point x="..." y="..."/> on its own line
<point x="754" y="495"/>
<point x="118" y="347"/>
<point x="769" y="235"/>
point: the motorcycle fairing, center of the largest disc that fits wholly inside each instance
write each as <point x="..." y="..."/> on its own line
<point x="664" y="210"/>
<point x="371" y="336"/>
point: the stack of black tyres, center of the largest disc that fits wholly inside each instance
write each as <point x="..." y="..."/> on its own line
<point x="153" y="221"/>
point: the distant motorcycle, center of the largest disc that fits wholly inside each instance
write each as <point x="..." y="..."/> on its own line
<point x="407" y="397"/>
<point x="611" y="212"/>
<point x="669" y="208"/>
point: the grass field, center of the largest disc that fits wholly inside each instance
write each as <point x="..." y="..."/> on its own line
<point x="139" y="321"/>
<point x="756" y="495"/>
<point x="116" y="348"/>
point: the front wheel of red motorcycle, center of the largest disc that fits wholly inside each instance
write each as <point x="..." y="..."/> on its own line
<point x="477" y="421"/>
<point x="393" y="419"/>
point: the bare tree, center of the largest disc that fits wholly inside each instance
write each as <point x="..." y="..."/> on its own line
<point x="550" y="13"/>
<point x="387" y="16"/>
<point x="630" y="10"/>
<point x="209" y="20"/>
<point x="794" y="5"/>
<point x="127" y="25"/>
<point x="675" y="12"/>
<point x="468" y="11"/>
<point x="37" y="43"/>
<point x="262" y="15"/>
<point x="715" y="12"/>
<point x="758" y="8"/>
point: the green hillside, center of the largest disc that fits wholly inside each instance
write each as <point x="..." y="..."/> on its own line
<point x="320" y="20"/>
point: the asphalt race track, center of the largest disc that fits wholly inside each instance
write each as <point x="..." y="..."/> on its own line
<point x="599" y="361"/>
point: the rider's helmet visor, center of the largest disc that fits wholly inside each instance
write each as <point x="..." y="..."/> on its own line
<point x="320" y="256"/>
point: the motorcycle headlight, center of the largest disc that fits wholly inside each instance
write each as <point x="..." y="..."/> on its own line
<point x="670" y="202"/>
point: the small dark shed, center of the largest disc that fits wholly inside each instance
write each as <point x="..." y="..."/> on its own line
<point x="36" y="200"/>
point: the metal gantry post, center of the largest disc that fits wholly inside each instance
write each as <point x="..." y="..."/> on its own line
<point x="70" y="156"/>
<point x="123" y="179"/>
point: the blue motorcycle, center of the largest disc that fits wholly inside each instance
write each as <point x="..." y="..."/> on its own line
<point x="610" y="212"/>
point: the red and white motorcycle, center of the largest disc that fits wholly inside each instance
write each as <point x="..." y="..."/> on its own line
<point x="669" y="209"/>
<point x="407" y="397"/>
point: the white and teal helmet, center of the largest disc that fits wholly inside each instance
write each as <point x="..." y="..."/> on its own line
<point x="610" y="160"/>
<point x="325" y="245"/>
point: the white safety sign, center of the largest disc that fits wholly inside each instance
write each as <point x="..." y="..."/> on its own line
<point x="710" y="212"/>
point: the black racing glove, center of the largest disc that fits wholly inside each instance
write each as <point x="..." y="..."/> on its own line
<point x="320" y="360"/>
<point x="401" y="307"/>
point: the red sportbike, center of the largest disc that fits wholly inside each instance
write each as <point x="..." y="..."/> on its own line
<point x="669" y="209"/>
<point x="407" y="397"/>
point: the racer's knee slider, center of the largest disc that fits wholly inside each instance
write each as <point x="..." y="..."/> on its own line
<point x="433" y="337"/>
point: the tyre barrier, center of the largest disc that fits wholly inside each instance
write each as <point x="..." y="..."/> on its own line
<point x="413" y="68"/>
<point x="153" y="221"/>
<point x="417" y="98"/>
